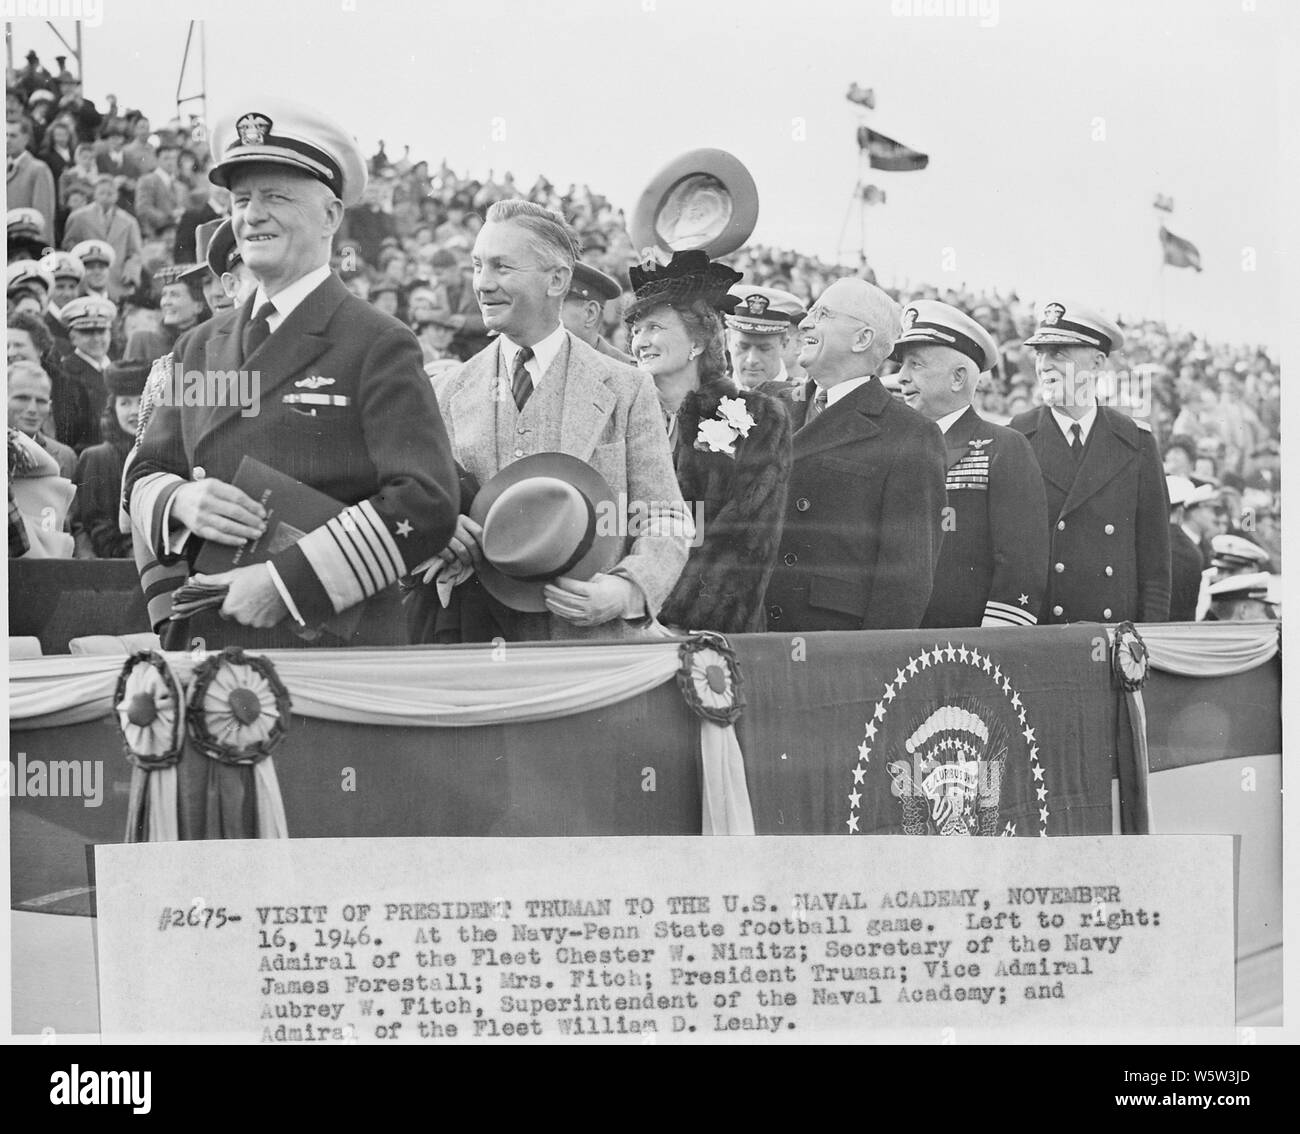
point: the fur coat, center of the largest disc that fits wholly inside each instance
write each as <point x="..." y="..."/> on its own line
<point x="738" y="504"/>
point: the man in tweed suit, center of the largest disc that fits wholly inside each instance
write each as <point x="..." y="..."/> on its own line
<point x="539" y="389"/>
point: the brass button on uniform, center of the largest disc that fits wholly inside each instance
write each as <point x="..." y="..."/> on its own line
<point x="803" y="504"/>
<point x="774" y="613"/>
<point x="1058" y="611"/>
<point x="519" y="452"/>
<point x="1059" y="568"/>
<point x="790" y="559"/>
<point x="1060" y="525"/>
<point x="1110" y="570"/>
<point x="1110" y="529"/>
<point x="1106" y="613"/>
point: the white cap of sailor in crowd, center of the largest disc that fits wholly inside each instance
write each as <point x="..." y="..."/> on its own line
<point x="942" y="352"/>
<point x="1244" y="598"/>
<point x="758" y="329"/>
<point x="30" y="281"/>
<point x="97" y="258"/>
<point x="68" y="272"/>
<point x="24" y="233"/>
<point x="1234" y="555"/>
<point x="1071" y="345"/>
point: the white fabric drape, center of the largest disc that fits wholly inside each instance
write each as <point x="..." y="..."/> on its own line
<point x="1210" y="649"/>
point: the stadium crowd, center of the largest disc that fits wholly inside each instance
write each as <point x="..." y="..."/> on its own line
<point x="104" y="206"/>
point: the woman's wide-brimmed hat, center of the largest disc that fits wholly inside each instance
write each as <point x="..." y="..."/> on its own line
<point x="545" y="516"/>
<point x="704" y="200"/>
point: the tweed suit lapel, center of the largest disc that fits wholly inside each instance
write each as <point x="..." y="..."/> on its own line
<point x="472" y="411"/>
<point x="588" y="402"/>
<point x="848" y="421"/>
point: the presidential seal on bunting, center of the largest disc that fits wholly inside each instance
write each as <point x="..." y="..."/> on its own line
<point x="239" y="709"/>
<point x="709" y="678"/>
<point x="949" y="749"/>
<point x="150" y="711"/>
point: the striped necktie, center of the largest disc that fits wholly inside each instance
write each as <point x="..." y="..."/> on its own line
<point x="819" y="404"/>
<point x="521" y="382"/>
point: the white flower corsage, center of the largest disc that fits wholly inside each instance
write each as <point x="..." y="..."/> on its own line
<point x="720" y="433"/>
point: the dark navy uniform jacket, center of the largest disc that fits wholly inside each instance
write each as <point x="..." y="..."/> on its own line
<point x="993" y="563"/>
<point x="345" y="406"/>
<point x="1108" y="520"/>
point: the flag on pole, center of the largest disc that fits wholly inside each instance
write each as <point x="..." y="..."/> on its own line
<point x="1163" y="203"/>
<point x="885" y="153"/>
<point x="862" y="96"/>
<point x="1179" y="253"/>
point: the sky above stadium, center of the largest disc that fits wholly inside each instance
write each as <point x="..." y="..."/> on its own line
<point x="1050" y="126"/>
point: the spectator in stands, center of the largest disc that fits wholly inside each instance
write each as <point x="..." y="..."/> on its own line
<point x="30" y="395"/>
<point x="1180" y="456"/>
<point x="160" y="197"/>
<point x="33" y="77"/>
<point x="28" y="180"/>
<point x="96" y="258"/>
<point x="81" y="175"/>
<point x="38" y="501"/>
<point x="183" y="306"/>
<point x="139" y="152"/>
<point x="105" y="220"/>
<point x="1187" y="553"/>
<point x="68" y="274"/>
<point x="110" y="157"/>
<point x="83" y="112"/>
<point x="72" y="419"/>
<point x="459" y="301"/>
<point x="214" y="207"/>
<point x="99" y="469"/>
<point x="58" y="147"/>
<point x="384" y="297"/>
<point x="367" y="224"/>
<point x="432" y="325"/>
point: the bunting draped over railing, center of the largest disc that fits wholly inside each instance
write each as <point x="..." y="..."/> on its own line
<point x="423" y="688"/>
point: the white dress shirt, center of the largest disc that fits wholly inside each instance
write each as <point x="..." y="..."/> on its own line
<point x="544" y="353"/>
<point x="1067" y="423"/>
<point x="841" y="389"/>
<point x="950" y="419"/>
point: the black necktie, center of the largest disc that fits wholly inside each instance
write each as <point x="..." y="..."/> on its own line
<point x="1076" y="445"/>
<point x="259" y="328"/>
<point x="521" y="383"/>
